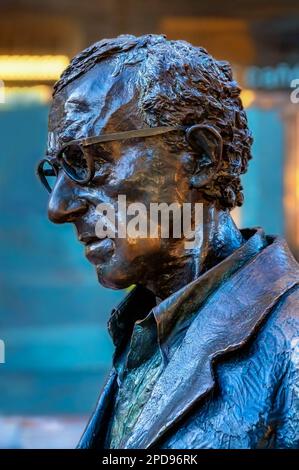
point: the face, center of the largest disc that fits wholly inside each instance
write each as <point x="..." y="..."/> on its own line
<point x="143" y="170"/>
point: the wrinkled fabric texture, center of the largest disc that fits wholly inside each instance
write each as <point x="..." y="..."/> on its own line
<point x="256" y="404"/>
<point x="132" y="395"/>
<point x="213" y="366"/>
<point x="151" y="346"/>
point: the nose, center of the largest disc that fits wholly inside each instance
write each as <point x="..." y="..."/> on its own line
<point x="65" y="203"/>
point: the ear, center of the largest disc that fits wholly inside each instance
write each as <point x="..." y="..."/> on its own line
<point x="206" y="142"/>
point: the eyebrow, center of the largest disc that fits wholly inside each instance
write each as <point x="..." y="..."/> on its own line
<point x="82" y="104"/>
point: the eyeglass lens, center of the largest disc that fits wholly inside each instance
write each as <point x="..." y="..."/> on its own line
<point x="74" y="160"/>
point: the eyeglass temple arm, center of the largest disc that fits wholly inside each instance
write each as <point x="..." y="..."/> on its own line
<point x="148" y="132"/>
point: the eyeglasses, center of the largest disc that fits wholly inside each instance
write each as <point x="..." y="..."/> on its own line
<point x="78" y="164"/>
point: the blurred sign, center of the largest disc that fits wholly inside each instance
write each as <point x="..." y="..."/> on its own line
<point x="294" y="97"/>
<point x="271" y="78"/>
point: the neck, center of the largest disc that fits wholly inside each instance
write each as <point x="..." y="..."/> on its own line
<point x="220" y="238"/>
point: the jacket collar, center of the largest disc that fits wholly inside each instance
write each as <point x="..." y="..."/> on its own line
<point x="138" y="321"/>
<point x="225" y="323"/>
<point x="228" y="319"/>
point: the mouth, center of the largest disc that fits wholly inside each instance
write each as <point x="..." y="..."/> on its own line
<point x="97" y="250"/>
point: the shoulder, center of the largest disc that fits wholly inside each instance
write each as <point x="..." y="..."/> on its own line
<point x="286" y="323"/>
<point x="285" y="315"/>
<point x="276" y="343"/>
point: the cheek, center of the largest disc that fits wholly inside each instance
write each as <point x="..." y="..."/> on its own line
<point x="135" y="249"/>
<point x="145" y="185"/>
<point x="137" y="173"/>
<point x="131" y="261"/>
<point x="127" y="166"/>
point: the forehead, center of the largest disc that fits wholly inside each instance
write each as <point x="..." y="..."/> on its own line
<point x="96" y="102"/>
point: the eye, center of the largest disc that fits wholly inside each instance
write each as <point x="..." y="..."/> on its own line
<point x="102" y="158"/>
<point x="100" y="163"/>
<point x="75" y="162"/>
<point x="74" y="156"/>
<point x="102" y="166"/>
<point x="101" y="153"/>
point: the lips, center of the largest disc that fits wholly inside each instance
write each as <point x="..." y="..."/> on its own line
<point x="98" y="250"/>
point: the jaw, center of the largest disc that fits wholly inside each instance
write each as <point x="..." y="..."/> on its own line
<point x="113" y="278"/>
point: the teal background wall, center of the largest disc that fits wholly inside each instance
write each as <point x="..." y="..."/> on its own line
<point x="53" y="312"/>
<point x="263" y="183"/>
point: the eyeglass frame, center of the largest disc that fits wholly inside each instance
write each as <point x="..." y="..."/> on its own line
<point x="87" y="141"/>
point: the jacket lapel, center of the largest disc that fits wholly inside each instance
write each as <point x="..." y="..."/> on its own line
<point x="96" y="430"/>
<point x="225" y="323"/>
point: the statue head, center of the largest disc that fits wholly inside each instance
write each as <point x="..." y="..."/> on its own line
<point x="134" y="83"/>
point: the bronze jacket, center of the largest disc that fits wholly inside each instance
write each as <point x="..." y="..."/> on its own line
<point x="233" y="381"/>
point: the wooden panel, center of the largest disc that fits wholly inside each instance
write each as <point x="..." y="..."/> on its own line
<point x="225" y="38"/>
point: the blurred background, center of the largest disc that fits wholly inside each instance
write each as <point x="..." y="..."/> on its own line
<point x="53" y="313"/>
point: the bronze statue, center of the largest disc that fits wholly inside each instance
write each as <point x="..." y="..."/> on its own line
<point x="207" y="342"/>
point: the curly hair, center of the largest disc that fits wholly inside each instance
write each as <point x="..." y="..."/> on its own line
<point x="180" y="84"/>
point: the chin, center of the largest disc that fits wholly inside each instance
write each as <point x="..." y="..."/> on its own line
<point x="113" y="278"/>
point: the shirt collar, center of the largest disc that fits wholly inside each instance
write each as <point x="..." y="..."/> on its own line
<point x="138" y="319"/>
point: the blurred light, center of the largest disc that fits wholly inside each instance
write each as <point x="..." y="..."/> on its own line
<point x="27" y="95"/>
<point x="2" y="92"/>
<point x="247" y="98"/>
<point x="32" y="67"/>
<point x="236" y="214"/>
